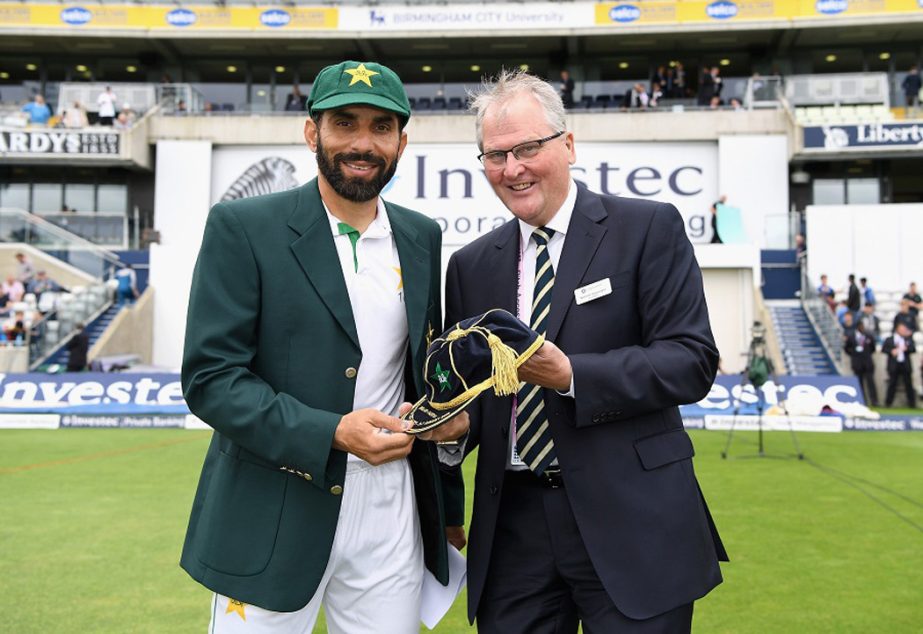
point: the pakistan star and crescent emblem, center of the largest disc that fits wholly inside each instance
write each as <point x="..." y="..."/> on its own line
<point x="236" y="606"/>
<point x="442" y="378"/>
<point x="361" y="73"/>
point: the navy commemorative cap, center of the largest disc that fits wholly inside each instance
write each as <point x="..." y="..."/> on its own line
<point x="472" y="356"/>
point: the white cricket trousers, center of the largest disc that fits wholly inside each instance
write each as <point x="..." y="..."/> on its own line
<point x="374" y="577"/>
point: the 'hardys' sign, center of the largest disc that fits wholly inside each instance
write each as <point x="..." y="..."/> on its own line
<point x="58" y="142"/>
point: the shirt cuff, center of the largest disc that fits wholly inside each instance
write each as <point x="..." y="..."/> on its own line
<point x="452" y="454"/>
<point x="569" y="392"/>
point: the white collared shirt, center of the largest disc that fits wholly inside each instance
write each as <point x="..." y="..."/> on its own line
<point x="376" y="293"/>
<point x="527" y="251"/>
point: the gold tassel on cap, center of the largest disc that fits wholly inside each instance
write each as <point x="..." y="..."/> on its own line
<point x="503" y="367"/>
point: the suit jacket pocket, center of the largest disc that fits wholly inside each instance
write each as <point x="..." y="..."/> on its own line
<point x="663" y="449"/>
<point x="240" y="516"/>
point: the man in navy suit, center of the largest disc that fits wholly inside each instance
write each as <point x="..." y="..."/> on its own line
<point x="586" y="507"/>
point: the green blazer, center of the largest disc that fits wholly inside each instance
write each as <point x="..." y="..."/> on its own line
<point x="270" y="359"/>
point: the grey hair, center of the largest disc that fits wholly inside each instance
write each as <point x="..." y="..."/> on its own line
<point x="508" y="84"/>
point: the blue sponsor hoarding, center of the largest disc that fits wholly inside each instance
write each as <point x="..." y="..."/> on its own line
<point x="863" y="136"/>
<point x="728" y="393"/>
<point x="91" y="393"/>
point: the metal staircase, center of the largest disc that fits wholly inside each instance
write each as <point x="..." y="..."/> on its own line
<point x="802" y="349"/>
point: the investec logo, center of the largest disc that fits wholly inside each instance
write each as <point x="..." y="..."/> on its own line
<point x="627" y="13"/>
<point x="832" y="7"/>
<point x="721" y="10"/>
<point x="275" y="18"/>
<point x="75" y="16"/>
<point x="181" y="17"/>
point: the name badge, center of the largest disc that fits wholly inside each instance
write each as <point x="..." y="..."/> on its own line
<point x="593" y="291"/>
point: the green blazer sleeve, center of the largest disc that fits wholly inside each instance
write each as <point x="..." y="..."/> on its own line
<point x="221" y="344"/>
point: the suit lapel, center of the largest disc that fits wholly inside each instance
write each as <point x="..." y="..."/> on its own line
<point x="583" y="238"/>
<point x="501" y="270"/>
<point x="316" y="253"/>
<point x="415" y="275"/>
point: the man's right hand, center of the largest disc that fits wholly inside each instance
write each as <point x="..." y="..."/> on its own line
<point x="362" y="434"/>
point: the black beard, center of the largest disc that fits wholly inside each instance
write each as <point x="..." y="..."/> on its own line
<point x="357" y="190"/>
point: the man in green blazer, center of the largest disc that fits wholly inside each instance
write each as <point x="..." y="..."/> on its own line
<point x="308" y="322"/>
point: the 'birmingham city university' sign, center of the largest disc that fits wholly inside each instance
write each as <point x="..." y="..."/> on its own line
<point x="51" y="142"/>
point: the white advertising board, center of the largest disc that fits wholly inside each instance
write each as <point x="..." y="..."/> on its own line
<point x="446" y="182"/>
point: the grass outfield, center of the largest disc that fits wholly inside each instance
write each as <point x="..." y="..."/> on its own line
<point x="92" y="524"/>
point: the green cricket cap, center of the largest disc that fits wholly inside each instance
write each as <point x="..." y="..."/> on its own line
<point x="359" y="83"/>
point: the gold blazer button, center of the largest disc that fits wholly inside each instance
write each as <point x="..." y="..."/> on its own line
<point x="351" y="373"/>
<point x="336" y="489"/>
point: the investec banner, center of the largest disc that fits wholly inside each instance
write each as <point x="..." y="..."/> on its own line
<point x="16" y="142"/>
<point x="446" y="181"/>
<point x="728" y="394"/>
<point x="89" y="393"/>
<point x="864" y="137"/>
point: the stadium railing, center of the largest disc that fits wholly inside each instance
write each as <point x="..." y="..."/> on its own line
<point x="823" y="320"/>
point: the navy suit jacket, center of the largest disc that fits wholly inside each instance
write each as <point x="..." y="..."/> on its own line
<point x="636" y="354"/>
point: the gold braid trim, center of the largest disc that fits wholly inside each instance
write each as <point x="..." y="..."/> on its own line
<point x="473" y="391"/>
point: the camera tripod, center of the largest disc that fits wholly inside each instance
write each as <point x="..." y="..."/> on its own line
<point x="759" y="370"/>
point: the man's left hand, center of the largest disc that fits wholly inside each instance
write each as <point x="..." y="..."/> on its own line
<point x="456" y="536"/>
<point x="548" y="367"/>
<point x="454" y="429"/>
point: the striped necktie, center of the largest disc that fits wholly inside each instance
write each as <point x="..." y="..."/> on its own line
<point x="533" y="435"/>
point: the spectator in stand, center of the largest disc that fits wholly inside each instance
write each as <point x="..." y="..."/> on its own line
<point x="669" y="83"/>
<point x="868" y="295"/>
<point x="180" y="106"/>
<point x="106" y="106"/>
<point x="295" y="101"/>
<point x="76" y="117"/>
<point x="715" y="236"/>
<point x="860" y="345"/>
<point x="853" y="297"/>
<point x="904" y="316"/>
<point x="842" y="310"/>
<point x="38" y="111"/>
<point x="912" y="296"/>
<point x="801" y="247"/>
<point x="716" y="81"/>
<point x="715" y="102"/>
<point x="826" y="291"/>
<point x="735" y="104"/>
<point x="679" y="81"/>
<point x="43" y="284"/>
<point x="899" y="347"/>
<point x="16" y="327"/>
<point x="659" y="78"/>
<point x="656" y="95"/>
<point x="121" y="121"/>
<point x="637" y="97"/>
<point x="706" y="87"/>
<point x="130" y="114"/>
<point x="77" y="349"/>
<point x="870" y="322"/>
<point x="127" y="288"/>
<point x="911" y="86"/>
<point x="567" y="89"/>
<point x="24" y="269"/>
<point x="11" y="291"/>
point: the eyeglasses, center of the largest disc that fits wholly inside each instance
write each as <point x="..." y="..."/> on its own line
<point x="521" y="152"/>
